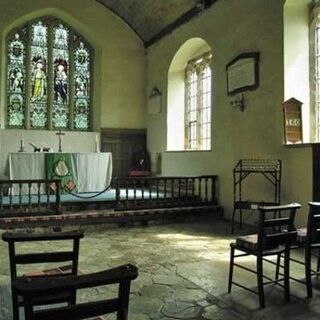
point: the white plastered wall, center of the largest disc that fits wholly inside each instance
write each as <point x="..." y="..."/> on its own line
<point x="230" y="28"/>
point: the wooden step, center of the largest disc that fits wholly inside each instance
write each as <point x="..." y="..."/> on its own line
<point x="123" y="217"/>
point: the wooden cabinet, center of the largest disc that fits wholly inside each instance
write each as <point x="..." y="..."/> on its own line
<point x="122" y="143"/>
<point x="292" y="121"/>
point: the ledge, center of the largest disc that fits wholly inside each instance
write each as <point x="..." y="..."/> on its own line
<point x="300" y="145"/>
<point x="184" y="151"/>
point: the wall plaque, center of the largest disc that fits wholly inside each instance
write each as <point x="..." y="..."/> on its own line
<point x="243" y="73"/>
<point x="292" y="121"/>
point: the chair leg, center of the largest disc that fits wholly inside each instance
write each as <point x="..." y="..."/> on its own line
<point x="287" y="274"/>
<point x="260" y="281"/>
<point x="28" y="310"/>
<point x="240" y="218"/>
<point x="308" y="271"/>
<point x="73" y="298"/>
<point x="231" y="269"/>
<point x="278" y="266"/>
<point x="232" y="221"/>
<point x="318" y="263"/>
<point x="124" y="292"/>
<point x="15" y="306"/>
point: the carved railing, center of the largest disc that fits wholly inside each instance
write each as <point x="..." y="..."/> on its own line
<point x="19" y="198"/>
<point x="29" y="197"/>
<point x="155" y="192"/>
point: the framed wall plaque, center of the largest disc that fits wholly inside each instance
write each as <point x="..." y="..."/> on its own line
<point x="243" y="73"/>
<point x="292" y="116"/>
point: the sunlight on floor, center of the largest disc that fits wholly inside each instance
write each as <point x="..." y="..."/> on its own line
<point x="181" y="267"/>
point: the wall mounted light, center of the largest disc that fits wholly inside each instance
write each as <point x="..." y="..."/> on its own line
<point x="154" y="102"/>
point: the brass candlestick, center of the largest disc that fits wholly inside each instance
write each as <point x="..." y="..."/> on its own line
<point x="21" y="145"/>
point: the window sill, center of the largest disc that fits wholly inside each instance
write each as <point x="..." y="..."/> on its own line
<point x="300" y="145"/>
<point x="183" y="151"/>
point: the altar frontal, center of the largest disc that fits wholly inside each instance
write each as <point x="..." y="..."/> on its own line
<point x="60" y="166"/>
<point x="79" y="172"/>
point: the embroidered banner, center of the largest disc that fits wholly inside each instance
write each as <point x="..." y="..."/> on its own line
<point x="60" y="166"/>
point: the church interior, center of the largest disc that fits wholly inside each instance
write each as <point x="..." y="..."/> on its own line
<point x="146" y="146"/>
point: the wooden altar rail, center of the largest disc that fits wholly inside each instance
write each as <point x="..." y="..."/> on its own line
<point x="29" y="197"/>
<point x="174" y="191"/>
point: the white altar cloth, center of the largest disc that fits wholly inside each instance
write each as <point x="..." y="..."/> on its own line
<point x="92" y="171"/>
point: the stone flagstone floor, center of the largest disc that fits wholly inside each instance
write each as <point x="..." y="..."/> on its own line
<point x="183" y="272"/>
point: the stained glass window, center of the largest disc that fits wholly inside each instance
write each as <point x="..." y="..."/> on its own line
<point x="81" y="87"/>
<point x="16" y="78"/>
<point x="198" y="104"/>
<point x="60" y="112"/>
<point x="48" y="77"/>
<point x="39" y="71"/>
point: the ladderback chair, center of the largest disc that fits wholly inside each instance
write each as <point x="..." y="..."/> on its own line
<point x="31" y="289"/>
<point x="312" y="243"/>
<point x="275" y="237"/>
<point x="32" y="258"/>
<point x="309" y="239"/>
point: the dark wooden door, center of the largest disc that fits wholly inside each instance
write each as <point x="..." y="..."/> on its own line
<point x="122" y="143"/>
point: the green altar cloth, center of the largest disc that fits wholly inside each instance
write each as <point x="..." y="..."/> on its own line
<point x="60" y="166"/>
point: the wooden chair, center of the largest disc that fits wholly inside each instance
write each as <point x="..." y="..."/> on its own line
<point x="32" y="289"/>
<point x="274" y="237"/>
<point x="309" y="239"/>
<point x="46" y="257"/>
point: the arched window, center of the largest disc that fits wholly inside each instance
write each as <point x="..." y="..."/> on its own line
<point x="198" y="103"/>
<point x="189" y="108"/>
<point x="48" y="77"/>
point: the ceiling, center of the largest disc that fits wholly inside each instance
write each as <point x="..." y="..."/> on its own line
<point x="153" y="19"/>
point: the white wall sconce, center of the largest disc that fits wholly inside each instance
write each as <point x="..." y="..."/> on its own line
<point x="238" y="102"/>
<point x="154" y="103"/>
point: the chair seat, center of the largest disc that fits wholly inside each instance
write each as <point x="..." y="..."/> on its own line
<point x="301" y="239"/>
<point x="301" y="236"/>
<point x="249" y="242"/>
